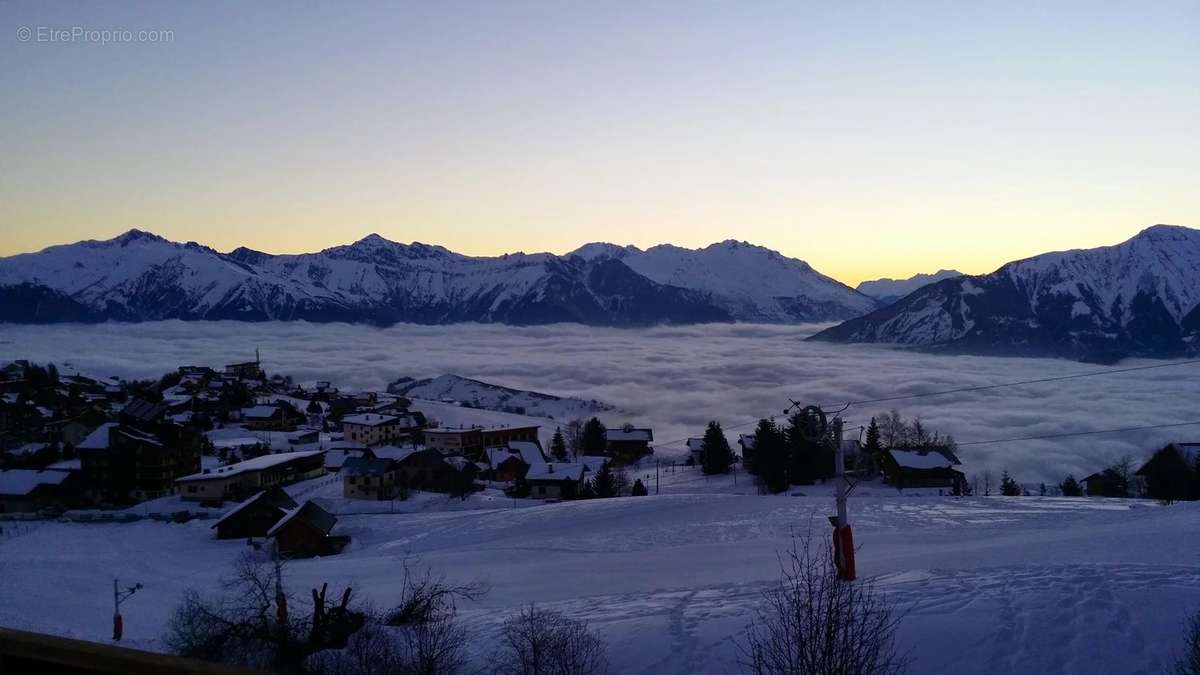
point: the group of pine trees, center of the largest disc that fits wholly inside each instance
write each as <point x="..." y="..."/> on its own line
<point x="783" y="456"/>
<point x="1169" y="477"/>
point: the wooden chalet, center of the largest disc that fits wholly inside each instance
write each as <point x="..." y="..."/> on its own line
<point x="256" y="516"/>
<point x="304" y="532"/>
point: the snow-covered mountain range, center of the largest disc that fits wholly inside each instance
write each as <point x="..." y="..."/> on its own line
<point x="887" y="291"/>
<point x="139" y="276"/>
<point x="477" y="394"/>
<point x="1137" y="298"/>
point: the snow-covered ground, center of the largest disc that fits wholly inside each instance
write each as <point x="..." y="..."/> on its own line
<point x="456" y="389"/>
<point x="988" y="584"/>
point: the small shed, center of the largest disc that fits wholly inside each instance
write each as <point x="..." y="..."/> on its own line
<point x="256" y="516"/>
<point x="304" y="532"/>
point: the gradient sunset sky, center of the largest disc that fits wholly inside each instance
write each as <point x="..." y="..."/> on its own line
<point x="870" y="139"/>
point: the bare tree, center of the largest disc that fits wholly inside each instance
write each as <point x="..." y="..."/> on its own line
<point x="1189" y="663"/>
<point x="543" y="642"/>
<point x="574" y="436"/>
<point x="433" y="647"/>
<point x="255" y="623"/>
<point x="425" y="598"/>
<point x="813" y="623"/>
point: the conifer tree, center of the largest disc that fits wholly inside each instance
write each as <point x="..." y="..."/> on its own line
<point x="716" y="454"/>
<point x="771" y="457"/>
<point x="1168" y="476"/>
<point x="872" y="446"/>
<point x="595" y="437"/>
<point x="604" y="484"/>
<point x="1070" y="487"/>
<point x="1008" y="486"/>
<point x="558" y="446"/>
<point x="638" y="490"/>
<point x="803" y="456"/>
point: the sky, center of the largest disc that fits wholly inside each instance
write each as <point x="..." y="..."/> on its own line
<point x="869" y="139"/>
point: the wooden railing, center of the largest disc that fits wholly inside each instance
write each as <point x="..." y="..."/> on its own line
<point x="25" y="652"/>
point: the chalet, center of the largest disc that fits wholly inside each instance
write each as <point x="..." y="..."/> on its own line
<point x="555" y="480"/>
<point x="268" y="418"/>
<point x="369" y="477"/>
<point x="235" y="481"/>
<point x="922" y="468"/>
<point x="504" y="465"/>
<point x="142" y="412"/>
<point x="338" y="452"/>
<point x="250" y="370"/>
<point x="419" y="468"/>
<point x="467" y="441"/>
<point x="695" y="447"/>
<point x="507" y="435"/>
<point x="304" y="532"/>
<point x="28" y="490"/>
<point x="628" y="444"/>
<point x="256" y="516"/>
<point x="376" y="429"/>
<point x="120" y="461"/>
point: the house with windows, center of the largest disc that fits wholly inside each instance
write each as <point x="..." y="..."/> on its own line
<point x="555" y="480"/>
<point x="369" y="477"/>
<point x="124" y="461"/>
<point x="936" y="467"/>
<point x="628" y="444"/>
<point x="236" y="481"/>
<point x="378" y="429"/>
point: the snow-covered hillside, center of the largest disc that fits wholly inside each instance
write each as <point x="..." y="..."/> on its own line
<point x="476" y="394"/>
<point x="752" y="283"/>
<point x="139" y="276"/>
<point x="887" y="291"/>
<point x="1140" y="297"/>
<point x="988" y="584"/>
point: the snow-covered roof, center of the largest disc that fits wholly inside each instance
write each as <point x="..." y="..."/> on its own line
<point x="914" y="459"/>
<point x="239" y="442"/>
<point x="530" y="452"/>
<point x="630" y="435"/>
<point x="23" y="481"/>
<point x="394" y="453"/>
<point x="256" y="464"/>
<point x="277" y="496"/>
<point x="308" y="512"/>
<point x="30" y="448"/>
<point x="365" y="466"/>
<point x="746" y="441"/>
<point x="556" y="471"/>
<point x="695" y="444"/>
<point x="260" y="412"/>
<point x="370" y="419"/>
<point x="98" y="439"/>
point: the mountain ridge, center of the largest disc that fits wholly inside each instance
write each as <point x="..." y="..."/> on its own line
<point x="141" y="276"/>
<point x="1140" y="297"/>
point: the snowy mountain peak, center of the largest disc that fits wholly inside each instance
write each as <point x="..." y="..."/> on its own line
<point x="135" y="235"/>
<point x="888" y="290"/>
<point x="601" y="249"/>
<point x="1140" y="297"/>
<point x="140" y="277"/>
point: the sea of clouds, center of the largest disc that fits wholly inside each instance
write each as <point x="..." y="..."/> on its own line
<point x="675" y="379"/>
